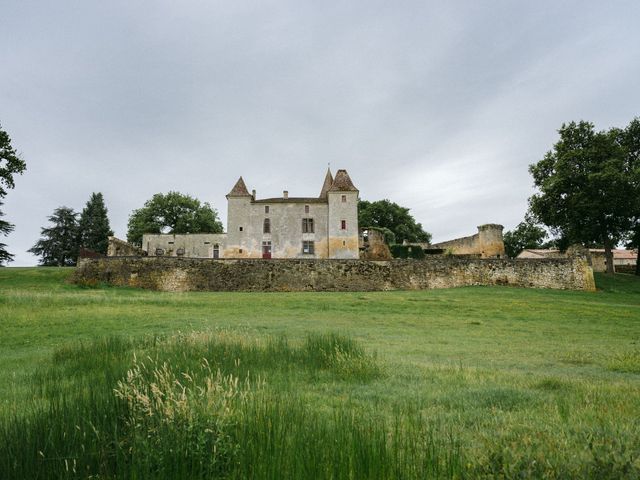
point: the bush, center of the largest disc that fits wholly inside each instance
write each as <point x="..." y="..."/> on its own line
<point x="407" y="251"/>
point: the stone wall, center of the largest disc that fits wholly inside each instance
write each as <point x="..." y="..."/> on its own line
<point x="487" y="243"/>
<point x="193" y="274"/>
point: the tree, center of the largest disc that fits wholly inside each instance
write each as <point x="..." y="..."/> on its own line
<point x="5" y="229"/>
<point x="630" y="141"/>
<point x="172" y="213"/>
<point x="94" y="225"/>
<point x="526" y="235"/>
<point x="10" y="164"/>
<point x="59" y="243"/>
<point x="385" y="214"/>
<point x="584" y="190"/>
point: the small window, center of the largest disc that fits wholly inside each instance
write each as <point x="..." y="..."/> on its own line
<point x="307" y="225"/>
<point x="159" y="252"/>
<point x="266" y="209"/>
<point x="343" y="224"/>
<point x="207" y="243"/>
<point x="308" y="247"/>
<point x="306" y="209"/>
<point x="344" y="199"/>
<point x="266" y="226"/>
<point x="344" y="243"/>
<point x="239" y="250"/>
<point x="180" y="252"/>
<point x="170" y="243"/>
<point x="240" y="228"/>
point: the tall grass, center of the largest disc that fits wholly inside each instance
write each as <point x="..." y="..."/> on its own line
<point x="200" y="406"/>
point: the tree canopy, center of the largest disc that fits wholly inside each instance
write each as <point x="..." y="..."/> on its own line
<point x="393" y="218"/>
<point x="59" y="243"/>
<point x="585" y="193"/>
<point x="5" y="229"/>
<point x="172" y="212"/>
<point x="526" y="235"/>
<point x="10" y="165"/>
<point x="94" y="225"/>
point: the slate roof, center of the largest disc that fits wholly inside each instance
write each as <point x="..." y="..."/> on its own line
<point x="342" y="183"/>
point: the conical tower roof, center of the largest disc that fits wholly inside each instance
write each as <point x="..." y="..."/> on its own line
<point x="239" y="190"/>
<point x="328" y="181"/>
<point x="342" y="183"/>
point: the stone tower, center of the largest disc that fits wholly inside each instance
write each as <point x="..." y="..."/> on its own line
<point x="238" y="213"/>
<point x="342" y="197"/>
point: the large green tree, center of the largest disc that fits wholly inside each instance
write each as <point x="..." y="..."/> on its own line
<point x="630" y="142"/>
<point x="526" y="235"/>
<point x="172" y="213"/>
<point x="10" y="165"/>
<point x="385" y="214"/>
<point x="59" y="243"/>
<point x="94" y="225"/>
<point x="583" y="187"/>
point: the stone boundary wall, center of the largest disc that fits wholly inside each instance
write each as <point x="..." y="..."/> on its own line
<point x="204" y="274"/>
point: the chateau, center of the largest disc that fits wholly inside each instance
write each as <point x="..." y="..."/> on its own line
<point x="282" y="227"/>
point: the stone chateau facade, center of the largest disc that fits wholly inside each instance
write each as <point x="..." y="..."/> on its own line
<point x="283" y="227"/>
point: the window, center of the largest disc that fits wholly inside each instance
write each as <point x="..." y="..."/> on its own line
<point x="216" y="251"/>
<point x="343" y="224"/>
<point x="344" y="199"/>
<point x="306" y="209"/>
<point x="240" y="228"/>
<point x="266" y="226"/>
<point x="239" y="250"/>
<point x="266" y="209"/>
<point x="180" y="252"/>
<point x="207" y="243"/>
<point x="170" y="243"/>
<point x="159" y="252"/>
<point x="307" y="225"/>
<point x="307" y="247"/>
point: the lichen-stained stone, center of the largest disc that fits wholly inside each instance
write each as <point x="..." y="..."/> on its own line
<point x="202" y="274"/>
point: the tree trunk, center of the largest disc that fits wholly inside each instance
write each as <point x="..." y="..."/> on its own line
<point x="608" y="255"/>
<point x="638" y="262"/>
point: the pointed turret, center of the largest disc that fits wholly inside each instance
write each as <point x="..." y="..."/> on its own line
<point x="342" y="183"/>
<point x="328" y="181"/>
<point x="239" y="190"/>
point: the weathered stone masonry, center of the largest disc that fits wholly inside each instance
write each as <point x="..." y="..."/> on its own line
<point x="202" y="274"/>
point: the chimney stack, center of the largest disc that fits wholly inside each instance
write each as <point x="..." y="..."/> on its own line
<point x="253" y="194"/>
<point x="285" y="194"/>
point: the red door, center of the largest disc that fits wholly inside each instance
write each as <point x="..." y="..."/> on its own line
<point x="266" y="249"/>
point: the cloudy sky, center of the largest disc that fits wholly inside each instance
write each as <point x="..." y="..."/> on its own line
<point x="438" y="106"/>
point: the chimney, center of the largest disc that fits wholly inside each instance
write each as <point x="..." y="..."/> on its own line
<point x="253" y="194"/>
<point x="285" y="194"/>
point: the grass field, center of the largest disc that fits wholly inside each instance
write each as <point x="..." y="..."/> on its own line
<point x="472" y="382"/>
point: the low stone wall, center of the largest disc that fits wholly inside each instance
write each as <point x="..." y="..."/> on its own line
<point x="204" y="274"/>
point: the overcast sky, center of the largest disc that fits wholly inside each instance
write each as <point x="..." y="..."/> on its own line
<point x="438" y="106"/>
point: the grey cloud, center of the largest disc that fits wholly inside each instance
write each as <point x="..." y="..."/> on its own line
<point x="440" y="106"/>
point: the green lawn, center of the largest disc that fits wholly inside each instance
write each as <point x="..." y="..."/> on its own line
<point x="533" y="381"/>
